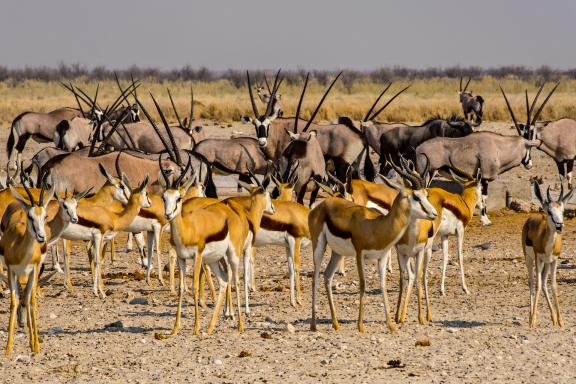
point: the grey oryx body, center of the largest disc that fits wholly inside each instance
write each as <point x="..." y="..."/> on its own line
<point x="36" y="125"/>
<point x="489" y="153"/>
<point x="73" y="134"/>
<point x="471" y="105"/>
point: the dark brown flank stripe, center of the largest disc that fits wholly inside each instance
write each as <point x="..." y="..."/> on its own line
<point x="337" y="231"/>
<point x="147" y="214"/>
<point x="381" y="203"/>
<point x="218" y="236"/>
<point x="87" y="223"/>
<point x="459" y="215"/>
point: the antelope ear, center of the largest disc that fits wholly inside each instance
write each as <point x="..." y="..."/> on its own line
<point x="105" y="173"/>
<point x="82" y="195"/>
<point x="58" y="198"/>
<point x="535" y="143"/>
<point x="246" y="186"/>
<point x="143" y="184"/>
<point x="293" y="136"/>
<point x="538" y="193"/>
<point x="19" y="198"/>
<point x="312" y="133"/>
<point x="568" y="196"/>
<point x="48" y="196"/>
<point x="246" y="119"/>
<point x="391" y="184"/>
<point x="125" y="180"/>
<point x="191" y="181"/>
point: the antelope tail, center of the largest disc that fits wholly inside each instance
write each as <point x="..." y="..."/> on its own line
<point x="369" y="173"/>
<point x="209" y="183"/>
<point x="11" y="139"/>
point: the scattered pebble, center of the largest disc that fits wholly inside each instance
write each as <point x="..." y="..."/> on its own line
<point x="269" y="319"/>
<point x="54" y="330"/>
<point x="115" y="325"/>
<point x="138" y="301"/>
<point x="218" y="362"/>
<point x="52" y="316"/>
<point x="290" y="328"/>
<point x="424" y="342"/>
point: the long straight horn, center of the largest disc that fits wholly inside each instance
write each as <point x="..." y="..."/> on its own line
<point x="134" y="93"/>
<point x="321" y="102"/>
<point x="389" y="101"/>
<point x="300" y="103"/>
<point x="467" y="83"/>
<point x="76" y="95"/>
<point x="183" y="172"/>
<point x="96" y="97"/>
<point x="527" y="109"/>
<point x="30" y="197"/>
<point x="537" y="115"/>
<point x="460" y="84"/>
<point x="271" y="100"/>
<point x="162" y="171"/>
<point x="254" y="107"/>
<point x="174" y="108"/>
<point x="267" y="84"/>
<point x="175" y="150"/>
<point x="157" y="130"/>
<point x="191" y="117"/>
<point x="78" y="102"/>
<point x="534" y="101"/>
<point x="376" y="102"/>
<point x="511" y="112"/>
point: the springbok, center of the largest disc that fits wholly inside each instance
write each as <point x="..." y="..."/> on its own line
<point x="542" y="245"/>
<point x="98" y="223"/>
<point x="483" y="154"/>
<point x="353" y="230"/>
<point x="212" y="234"/>
<point x="471" y="105"/>
<point x="23" y="245"/>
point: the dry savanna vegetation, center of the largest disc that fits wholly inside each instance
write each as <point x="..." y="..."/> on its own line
<point x="226" y="100"/>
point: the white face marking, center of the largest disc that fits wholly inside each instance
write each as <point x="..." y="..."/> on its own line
<point x="36" y="219"/>
<point x="69" y="208"/>
<point x="269" y="206"/>
<point x="172" y="203"/>
<point x="555" y="215"/>
<point x="421" y="207"/>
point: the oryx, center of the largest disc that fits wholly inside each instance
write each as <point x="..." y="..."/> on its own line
<point x="471" y="105"/>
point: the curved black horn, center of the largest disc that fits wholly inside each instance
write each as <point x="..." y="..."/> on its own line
<point x="183" y="172"/>
<point x="321" y="102"/>
<point x="388" y="102"/>
<point x="254" y="107"/>
<point x="548" y="194"/>
<point x="117" y="165"/>
<point x="537" y="115"/>
<point x="414" y="180"/>
<point x="511" y="112"/>
<point x="376" y="102"/>
<point x="272" y="98"/>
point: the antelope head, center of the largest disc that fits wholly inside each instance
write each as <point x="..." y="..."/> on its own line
<point x="463" y="91"/>
<point x="69" y="205"/>
<point x="175" y="191"/>
<point x="35" y="211"/>
<point x="259" y="193"/>
<point x="554" y="209"/>
<point x="417" y="193"/>
<point x="120" y="184"/>
<point x="262" y="122"/>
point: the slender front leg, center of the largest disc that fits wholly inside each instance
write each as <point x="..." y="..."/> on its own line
<point x="460" y="245"/>
<point x="291" y="269"/>
<point x="150" y="251"/>
<point x="171" y="262"/>
<point x="403" y="264"/>
<point x="223" y="278"/>
<point x="318" y="246"/>
<point x="411" y="277"/>
<point x="14" y="304"/>
<point x="425" y="282"/>
<point x="445" y="257"/>
<point x="252" y="269"/>
<point x="298" y="265"/>
<point x="555" y="293"/>
<point x="67" y="255"/>
<point x="418" y="280"/>
<point x="112" y="250"/>
<point x="360" y="264"/>
<point x="328" y="276"/>
<point x="539" y="269"/>
<point x="233" y="264"/>
<point x="545" y="274"/>
<point x="382" y="265"/>
<point x="529" y="258"/>
<point x="196" y="285"/>
<point x="182" y="283"/>
<point x="247" y="279"/>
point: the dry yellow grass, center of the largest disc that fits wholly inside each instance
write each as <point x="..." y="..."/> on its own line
<point x="222" y="101"/>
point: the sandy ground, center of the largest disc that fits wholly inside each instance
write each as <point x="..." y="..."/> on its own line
<point x="473" y="338"/>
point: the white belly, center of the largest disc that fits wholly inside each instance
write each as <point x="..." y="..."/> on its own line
<point x="339" y="245"/>
<point x="266" y="237"/>
<point x="78" y="232"/>
<point x="141" y="224"/>
<point x="213" y="251"/>
<point x="449" y="223"/>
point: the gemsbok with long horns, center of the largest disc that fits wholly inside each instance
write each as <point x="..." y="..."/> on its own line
<point x="472" y="106"/>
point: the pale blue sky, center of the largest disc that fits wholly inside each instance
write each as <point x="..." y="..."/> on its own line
<point x="290" y="34"/>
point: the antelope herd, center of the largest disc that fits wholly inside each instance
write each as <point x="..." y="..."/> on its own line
<point x="110" y="171"/>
